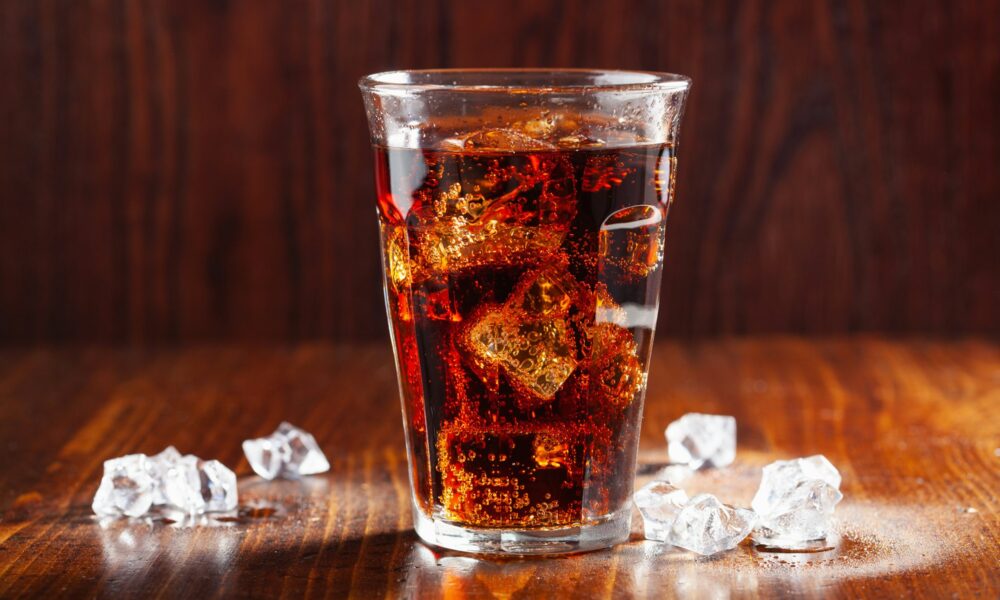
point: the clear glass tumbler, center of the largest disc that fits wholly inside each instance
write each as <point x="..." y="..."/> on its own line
<point x="522" y="217"/>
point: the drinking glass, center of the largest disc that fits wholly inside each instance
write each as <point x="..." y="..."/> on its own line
<point x="522" y="217"/>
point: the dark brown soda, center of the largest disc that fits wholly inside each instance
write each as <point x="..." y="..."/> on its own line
<point x="509" y="278"/>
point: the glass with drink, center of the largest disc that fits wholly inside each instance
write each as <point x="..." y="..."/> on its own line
<point x="522" y="217"/>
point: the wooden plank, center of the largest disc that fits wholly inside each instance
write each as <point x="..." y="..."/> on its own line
<point x="910" y="424"/>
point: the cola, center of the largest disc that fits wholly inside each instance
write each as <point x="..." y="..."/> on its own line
<point x="521" y="277"/>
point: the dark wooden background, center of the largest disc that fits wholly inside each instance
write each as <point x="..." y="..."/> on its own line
<point x="185" y="170"/>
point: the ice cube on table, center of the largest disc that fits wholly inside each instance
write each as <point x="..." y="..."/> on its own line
<point x="698" y="439"/>
<point x="707" y="526"/>
<point x="181" y="485"/>
<point x="674" y="474"/>
<point x="217" y="485"/>
<point x="816" y="466"/>
<point x="288" y="452"/>
<point x="135" y="483"/>
<point x="126" y="488"/>
<point x="158" y="465"/>
<point x="197" y="486"/>
<point x="306" y="457"/>
<point x="796" y="500"/>
<point x="266" y="455"/>
<point x="659" y="502"/>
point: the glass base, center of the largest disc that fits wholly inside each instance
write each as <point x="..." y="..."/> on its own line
<point x="613" y="529"/>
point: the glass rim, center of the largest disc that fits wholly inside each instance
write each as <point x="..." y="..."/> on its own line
<point x="399" y="82"/>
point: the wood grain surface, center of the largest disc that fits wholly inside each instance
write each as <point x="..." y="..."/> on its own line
<point x="911" y="425"/>
<point x="189" y="170"/>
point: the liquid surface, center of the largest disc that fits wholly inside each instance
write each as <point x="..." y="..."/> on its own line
<point x="522" y="281"/>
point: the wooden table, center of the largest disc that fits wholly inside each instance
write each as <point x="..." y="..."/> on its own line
<point x="913" y="426"/>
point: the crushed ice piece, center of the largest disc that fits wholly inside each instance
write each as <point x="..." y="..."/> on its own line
<point x="706" y="526"/>
<point x="580" y="140"/>
<point x="196" y="486"/>
<point x="537" y="354"/>
<point x="126" y="488"/>
<point x="617" y="375"/>
<point x="547" y="292"/>
<point x="698" y="439"/>
<point x="158" y="465"/>
<point x="631" y="240"/>
<point x="181" y="485"/>
<point x="482" y="216"/>
<point x="397" y="257"/>
<point x="500" y="139"/>
<point x="451" y="245"/>
<point x="217" y="486"/>
<point x="795" y="501"/>
<point x="266" y="455"/>
<point x="288" y="452"/>
<point x="528" y="337"/>
<point x="674" y="474"/>
<point x="133" y="484"/>
<point x="659" y="502"/>
<point x="306" y="457"/>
